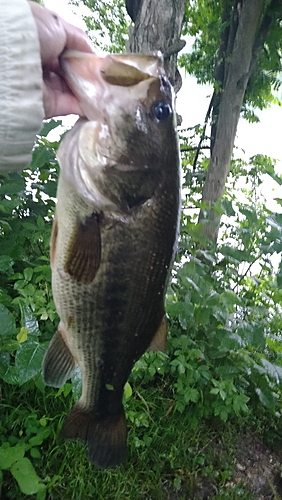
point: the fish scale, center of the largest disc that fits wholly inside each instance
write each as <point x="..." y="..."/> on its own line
<point x="114" y="239"/>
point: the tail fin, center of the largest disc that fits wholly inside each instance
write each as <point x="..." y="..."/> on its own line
<point x="105" y="438"/>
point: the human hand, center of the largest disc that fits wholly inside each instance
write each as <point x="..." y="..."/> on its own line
<point x="56" y="35"/>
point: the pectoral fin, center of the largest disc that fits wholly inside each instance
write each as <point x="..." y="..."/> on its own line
<point x="58" y="363"/>
<point x="84" y="253"/>
<point x="159" y="341"/>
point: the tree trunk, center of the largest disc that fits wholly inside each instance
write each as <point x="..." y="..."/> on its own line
<point x="239" y="63"/>
<point x="158" y="27"/>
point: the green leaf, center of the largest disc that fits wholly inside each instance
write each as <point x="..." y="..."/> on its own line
<point x="275" y="220"/>
<point x="214" y="390"/>
<point x="7" y="322"/>
<point x="239" y="403"/>
<point x="266" y="398"/>
<point x="191" y="282"/>
<point x="40" y="223"/>
<point x="28" y="272"/>
<point x="28" y="320"/>
<point x="213" y="299"/>
<point x="235" y="254"/>
<point x="11" y="376"/>
<point x="251" y="215"/>
<point x="127" y="392"/>
<point x="48" y="126"/>
<point x="228" y="208"/>
<point x="30" y="226"/>
<point x="28" y="290"/>
<point x="229" y="340"/>
<point x="10" y="455"/>
<point x="41" y="435"/>
<point x="5" y="226"/>
<point x="4" y="363"/>
<point x="202" y="315"/>
<point x="65" y="390"/>
<point x="246" y="334"/>
<point x="228" y="372"/>
<point x="26" y="477"/>
<point x="42" y="157"/>
<point x="273" y="370"/>
<point x="28" y="360"/>
<point x="17" y="185"/>
<point x="258" y="339"/>
<point x="35" y="453"/>
<point x="6" y="263"/>
<point x="22" y="335"/>
<point x="223" y="415"/>
<point x="43" y="421"/>
<point x="230" y="298"/>
<point x="191" y="394"/>
<point x="279" y="275"/>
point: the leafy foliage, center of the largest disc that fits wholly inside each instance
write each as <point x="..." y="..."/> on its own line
<point x="107" y="23"/>
<point x="203" y="60"/>
<point x="27" y="310"/>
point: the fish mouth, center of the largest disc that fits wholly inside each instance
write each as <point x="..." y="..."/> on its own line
<point x="93" y="79"/>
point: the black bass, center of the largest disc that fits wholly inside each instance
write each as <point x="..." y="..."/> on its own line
<point x="114" y="238"/>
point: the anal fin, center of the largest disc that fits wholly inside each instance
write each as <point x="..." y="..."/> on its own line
<point x="58" y="363"/>
<point x="84" y="253"/>
<point x="105" y="436"/>
<point x="159" y="341"/>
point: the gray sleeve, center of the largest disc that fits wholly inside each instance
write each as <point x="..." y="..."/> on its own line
<point x="21" y="84"/>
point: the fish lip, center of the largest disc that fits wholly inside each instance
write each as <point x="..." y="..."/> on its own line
<point x="96" y="78"/>
<point x="150" y="64"/>
<point x="84" y="71"/>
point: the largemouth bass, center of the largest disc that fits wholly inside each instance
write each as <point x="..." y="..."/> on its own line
<point x="114" y="238"/>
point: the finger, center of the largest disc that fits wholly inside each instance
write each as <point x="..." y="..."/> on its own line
<point x="60" y="104"/>
<point x="55" y="81"/>
<point x="58" y="99"/>
<point x="76" y="39"/>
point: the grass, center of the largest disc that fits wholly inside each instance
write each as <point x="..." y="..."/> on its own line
<point x="170" y="456"/>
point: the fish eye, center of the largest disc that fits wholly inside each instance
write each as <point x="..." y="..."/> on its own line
<point x="161" y="111"/>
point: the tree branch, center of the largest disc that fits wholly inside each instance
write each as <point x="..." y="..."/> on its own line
<point x="192" y="148"/>
<point x="203" y="134"/>
<point x="248" y="269"/>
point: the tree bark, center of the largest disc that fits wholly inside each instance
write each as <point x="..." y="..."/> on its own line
<point x="158" y="27"/>
<point x="246" y="18"/>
